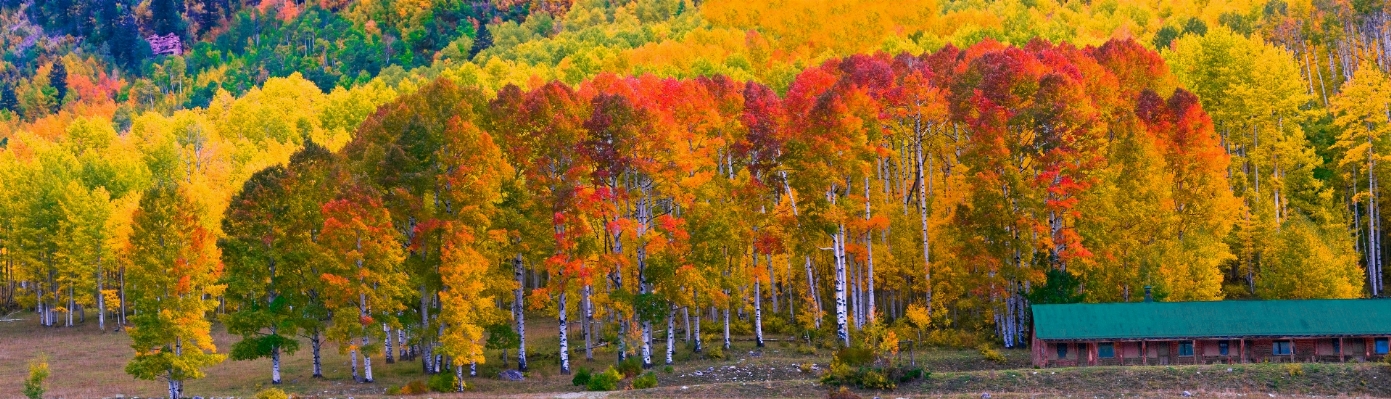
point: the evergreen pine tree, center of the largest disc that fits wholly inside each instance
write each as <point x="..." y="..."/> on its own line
<point x="58" y="79"/>
<point x="483" y="41"/>
<point x="8" y="101"/>
<point x="166" y="17"/>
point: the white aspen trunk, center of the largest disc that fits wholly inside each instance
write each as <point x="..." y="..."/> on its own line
<point x="564" y="339"/>
<point x="671" y="333"/>
<point x="386" y="344"/>
<point x="726" y="327"/>
<point x="101" y="299"/>
<point x="869" y="251"/>
<point x="757" y="307"/>
<point x="842" y="325"/>
<point x="644" y="217"/>
<point x="1372" y="247"/>
<point x="123" y="296"/>
<point x="367" y="363"/>
<point x="472" y="369"/>
<point x="772" y="283"/>
<point x="173" y="387"/>
<point x="757" y="314"/>
<point x="646" y="344"/>
<point x="517" y="313"/>
<point x="587" y="323"/>
<point x="401" y="343"/>
<point x="315" y="342"/>
<point x="275" y="365"/>
<point x="699" y="343"/>
<point x="72" y="304"/>
<point x="459" y="379"/>
<point x="352" y="355"/>
<point x="922" y="216"/>
<point x="426" y="358"/>
<point x="811" y="291"/>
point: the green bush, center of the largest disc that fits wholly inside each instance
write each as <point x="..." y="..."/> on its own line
<point x="648" y="380"/>
<point x="443" y="382"/>
<point x="715" y="351"/>
<point x="842" y="374"/>
<point x="668" y="369"/>
<point x="272" y="393"/>
<point x="630" y="367"/>
<point x="581" y="377"/>
<point x="605" y="381"/>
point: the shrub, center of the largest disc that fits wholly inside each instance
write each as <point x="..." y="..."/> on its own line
<point x="581" y="377"/>
<point x="648" y="380"/>
<point x="443" y="382"/>
<point x="714" y="351"/>
<point x="874" y="379"/>
<point x="415" y="387"/>
<point x="842" y="373"/>
<point x="630" y="367"/>
<point x="605" y="381"/>
<point x="668" y="369"/>
<point x="272" y="393"/>
<point x="805" y="367"/>
<point x="952" y="338"/>
<point x="1294" y="369"/>
<point x="990" y="353"/>
<point x="38" y="372"/>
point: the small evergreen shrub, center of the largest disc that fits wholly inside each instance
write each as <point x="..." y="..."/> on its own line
<point x="581" y="377"/>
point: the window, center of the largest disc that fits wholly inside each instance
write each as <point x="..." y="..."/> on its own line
<point x="1281" y="348"/>
<point x="1222" y="347"/>
<point x="1338" y="346"/>
<point x="1106" y="350"/>
<point x="1185" y="349"/>
<point x="1381" y="346"/>
<point x="1062" y="350"/>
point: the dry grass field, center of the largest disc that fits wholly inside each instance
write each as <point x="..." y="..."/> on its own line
<point x="88" y="363"/>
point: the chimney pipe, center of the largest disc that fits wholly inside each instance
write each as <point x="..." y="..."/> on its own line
<point x="1148" y="297"/>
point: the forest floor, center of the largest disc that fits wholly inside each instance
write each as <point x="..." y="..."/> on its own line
<point x="88" y="363"/>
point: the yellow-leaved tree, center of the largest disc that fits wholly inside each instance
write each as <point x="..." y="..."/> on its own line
<point x="174" y="269"/>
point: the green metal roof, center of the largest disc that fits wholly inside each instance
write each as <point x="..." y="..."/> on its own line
<point x="1159" y="320"/>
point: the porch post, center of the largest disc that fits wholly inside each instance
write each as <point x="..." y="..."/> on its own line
<point x="1144" y="353"/>
<point x="1341" y="358"/>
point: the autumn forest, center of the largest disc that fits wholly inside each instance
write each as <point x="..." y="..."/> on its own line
<point x="430" y="180"/>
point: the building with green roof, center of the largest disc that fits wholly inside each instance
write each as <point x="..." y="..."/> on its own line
<point x="1211" y="332"/>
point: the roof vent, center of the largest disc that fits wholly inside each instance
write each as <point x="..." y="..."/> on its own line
<point x="1148" y="297"/>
